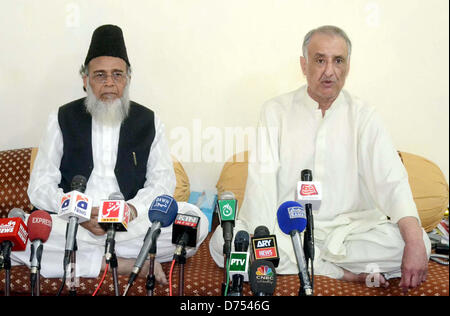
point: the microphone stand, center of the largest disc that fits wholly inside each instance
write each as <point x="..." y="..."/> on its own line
<point x="113" y="264"/>
<point x="150" y="284"/>
<point x="308" y="244"/>
<point x="226" y="256"/>
<point x="111" y="258"/>
<point x="181" y="260"/>
<point x="7" y="266"/>
<point x="38" y="283"/>
<point x="225" y="274"/>
<point x="73" y="261"/>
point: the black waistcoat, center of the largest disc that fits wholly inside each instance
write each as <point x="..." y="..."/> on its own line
<point x="136" y="137"/>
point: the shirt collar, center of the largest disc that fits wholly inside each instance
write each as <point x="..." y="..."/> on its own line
<point x="314" y="106"/>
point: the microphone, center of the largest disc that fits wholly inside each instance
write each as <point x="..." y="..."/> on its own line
<point x="265" y="246"/>
<point x="309" y="191"/>
<point x="309" y="195"/>
<point x="76" y="209"/>
<point x="184" y="233"/>
<point x="263" y="278"/>
<point x="13" y="235"/>
<point x="113" y="216"/>
<point x="227" y="209"/>
<point x="292" y="221"/>
<point x="114" y="212"/>
<point x="39" y="227"/>
<point x="162" y="213"/>
<point x="239" y="262"/>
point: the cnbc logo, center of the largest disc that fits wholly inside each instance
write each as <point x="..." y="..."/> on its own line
<point x="264" y="273"/>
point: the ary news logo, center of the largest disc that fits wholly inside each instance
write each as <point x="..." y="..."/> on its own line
<point x="296" y="212"/>
<point x="265" y="248"/>
<point x="265" y="274"/>
<point x="308" y="190"/>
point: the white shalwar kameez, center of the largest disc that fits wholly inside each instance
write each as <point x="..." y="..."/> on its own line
<point x="45" y="194"/>
<point x="363" y="182"/>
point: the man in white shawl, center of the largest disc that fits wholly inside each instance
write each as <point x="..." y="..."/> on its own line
<point x="367" y="224"/>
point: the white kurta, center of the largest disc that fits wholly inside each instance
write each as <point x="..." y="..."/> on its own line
<point x="363" y="181"/>
<point x="45" y="194"/>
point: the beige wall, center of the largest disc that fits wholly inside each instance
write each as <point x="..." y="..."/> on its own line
<point x="208" y="65"/>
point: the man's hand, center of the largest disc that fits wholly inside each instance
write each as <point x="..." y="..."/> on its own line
<point x="133" y="212"/>
<point x="414" y="265"/>
<point x="92" y="225"/>
<point x="415" y="260"/>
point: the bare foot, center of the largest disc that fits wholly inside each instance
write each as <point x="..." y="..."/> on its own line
<point x="125" y="265"/>
<point x="370" y="279"/>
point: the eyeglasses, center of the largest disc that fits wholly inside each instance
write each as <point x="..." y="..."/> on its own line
<point x="102" y="77"/>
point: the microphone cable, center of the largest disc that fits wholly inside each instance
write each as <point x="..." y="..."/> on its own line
<point x="63" y="281"/>
<point x="228" y="277"/>
<point x="170" y="277"/>
<point x="101" y="281"/>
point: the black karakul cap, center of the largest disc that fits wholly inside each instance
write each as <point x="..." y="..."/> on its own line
<point x="107" y="40"/>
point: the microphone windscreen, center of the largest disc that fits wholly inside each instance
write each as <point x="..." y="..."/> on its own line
<point x="241" y="241"/>
<point x="291" y="216"/>
<point x="116" y="196"/>
<point x="17" y="212"/>
<point x="227" y="195"/>
<point x="164" y="209"/>
<point x="306" y="175"/>
<point x="262" y="277"/>
<point x="39" y="225"/>
<point x="261" y="231"/>
<point x="78" y="183"/>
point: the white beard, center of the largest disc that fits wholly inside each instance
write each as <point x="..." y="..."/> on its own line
<point x="109" y="113"/>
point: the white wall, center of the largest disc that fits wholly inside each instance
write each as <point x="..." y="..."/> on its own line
<point x="205" y="65"/>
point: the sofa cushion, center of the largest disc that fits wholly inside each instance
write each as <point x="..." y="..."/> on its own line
<point x="429" y="188"/>
<point x="14" y="177"/>
<point x="234" y="176"/>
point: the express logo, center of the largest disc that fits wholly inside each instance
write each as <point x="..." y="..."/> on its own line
<point x="264" y="271"/>
<point x="308" y="190"/>
<point x="111" y="209"/>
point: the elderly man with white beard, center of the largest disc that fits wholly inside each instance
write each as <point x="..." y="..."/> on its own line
<point x="119" y="146"/>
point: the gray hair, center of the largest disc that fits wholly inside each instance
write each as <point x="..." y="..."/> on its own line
<point x="326" y="29"/>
